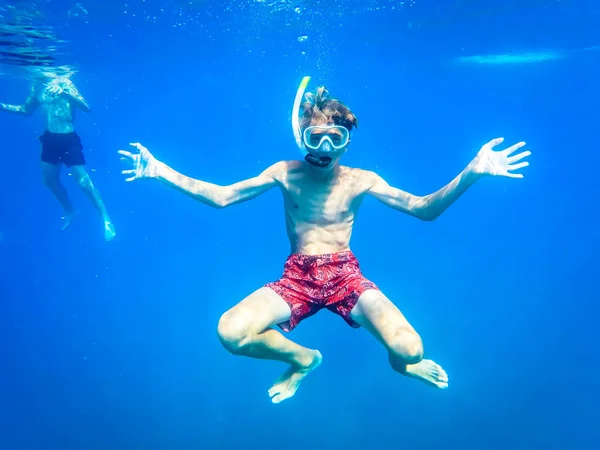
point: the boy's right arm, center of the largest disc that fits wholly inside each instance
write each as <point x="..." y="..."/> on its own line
<point x="27" y="108"/>
<point x="146" y="166"/>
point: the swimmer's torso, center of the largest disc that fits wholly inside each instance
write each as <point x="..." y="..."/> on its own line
<point x="58" y="111"/>
<point x="320" y="213"/>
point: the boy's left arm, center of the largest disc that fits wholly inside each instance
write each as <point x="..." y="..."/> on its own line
<point x="430" y="207"/>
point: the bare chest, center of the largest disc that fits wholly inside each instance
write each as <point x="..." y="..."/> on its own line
<point x="329" y="204"/>
<point x="56" y="108"/>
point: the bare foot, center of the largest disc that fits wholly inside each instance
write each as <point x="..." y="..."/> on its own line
<point x="430" y="372"/>
<point x="109" y="231"/>
<point x="287" y="385"/>
<point x="68" y="218"/>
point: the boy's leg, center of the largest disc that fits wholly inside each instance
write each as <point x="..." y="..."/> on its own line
<point x="375" y="312"/>
<point x="51" y="178"/>
<point x="85" y="183"/>
<point x="246" y="330"/>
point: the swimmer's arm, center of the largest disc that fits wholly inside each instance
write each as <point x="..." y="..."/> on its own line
<point x="76" y="97"/>
<point x="220" y="196"/>
<point x="25" y="109"/>
<point x="428" y="207"/>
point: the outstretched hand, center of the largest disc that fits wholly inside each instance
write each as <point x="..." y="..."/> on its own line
<point x="500" y="162"/>
<point x="144" y="165"/>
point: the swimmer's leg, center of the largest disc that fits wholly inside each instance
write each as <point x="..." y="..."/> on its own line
<point x="85" y="183"/>
<point x="375" y="312"/>
<point x="246" y="330"/>
<point x="51" y="178"/>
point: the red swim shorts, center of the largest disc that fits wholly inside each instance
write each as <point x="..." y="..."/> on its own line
<point x="313" y="282"/>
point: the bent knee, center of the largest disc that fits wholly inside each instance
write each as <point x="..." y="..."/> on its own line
<point x="233" y="331"/>
<point x="84" y="181"/>
<point x="406" y="346"/>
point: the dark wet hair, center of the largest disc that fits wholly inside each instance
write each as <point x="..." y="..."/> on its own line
<point x="321" y="108"/>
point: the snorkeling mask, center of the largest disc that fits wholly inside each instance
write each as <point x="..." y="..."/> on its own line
<point x="318" y="143"/>
<point x="322" y="142"/>
<point x="316" y="136"/>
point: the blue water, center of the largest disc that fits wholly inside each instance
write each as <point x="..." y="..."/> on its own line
<point x="113" y="345"/>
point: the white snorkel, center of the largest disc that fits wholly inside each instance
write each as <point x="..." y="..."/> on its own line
<point x="296" y="114"/>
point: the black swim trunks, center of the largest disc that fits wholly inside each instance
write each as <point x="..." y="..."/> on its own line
<point x="62" y="148"/>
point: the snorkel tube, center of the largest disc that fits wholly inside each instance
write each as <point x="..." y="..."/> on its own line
<point x="296" y="114"/>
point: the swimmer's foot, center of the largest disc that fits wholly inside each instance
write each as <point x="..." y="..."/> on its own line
<point x="429" y="372"/>
<point x="109" y="231"/>
<point x="287" y="385"/>
<point x="68" y="218"/>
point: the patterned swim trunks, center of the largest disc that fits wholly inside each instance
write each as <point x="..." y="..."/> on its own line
<point x="312" y="282"/>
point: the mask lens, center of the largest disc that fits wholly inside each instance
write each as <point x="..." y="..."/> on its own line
<point x="315" y="139"/>
<point x="336" y="138"/>
<point x="314" y="136"/>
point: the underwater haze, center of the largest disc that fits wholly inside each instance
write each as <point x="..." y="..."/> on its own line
<point x="113" y="345"/>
